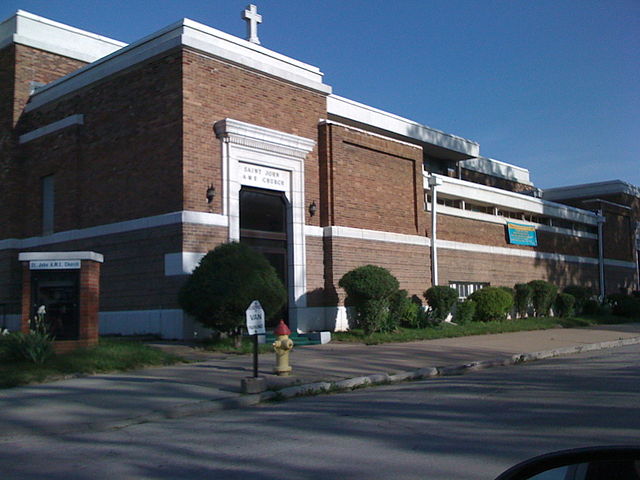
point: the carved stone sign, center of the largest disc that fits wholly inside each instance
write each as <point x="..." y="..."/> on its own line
<point x="264" y="177"/>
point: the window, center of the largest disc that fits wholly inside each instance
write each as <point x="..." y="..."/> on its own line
<point x="48" y="204"/>
<point x="465" y="289"/>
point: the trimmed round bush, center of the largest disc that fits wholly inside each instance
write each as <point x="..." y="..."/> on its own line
<point x="564" y="304"/>
<point x="369" y="289"/>
<point x="543" y="294"/>
<point x="581" y="295"/>
<point x="591" y="307"/>
<point x="522" y="299"/>
<point x="465" y="312"/>
<point x="403" y="311"/>
<point x="224" y="284"/>
<point x="441" y="299"/>
<point x="624" y="305"/>
<point x="492" y="303"/>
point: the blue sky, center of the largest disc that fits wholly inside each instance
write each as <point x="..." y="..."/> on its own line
<point x="553" y="86"/>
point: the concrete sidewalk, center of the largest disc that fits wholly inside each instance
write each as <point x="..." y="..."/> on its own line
<point x="113" y="401"/>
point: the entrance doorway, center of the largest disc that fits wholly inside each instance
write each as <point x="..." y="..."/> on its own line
<point x="263" y="227"/>
<point x="57" y="290"/>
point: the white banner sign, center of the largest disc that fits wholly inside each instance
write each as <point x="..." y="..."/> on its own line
<point x="54" y="264"/>
<point x="255" y="318"/>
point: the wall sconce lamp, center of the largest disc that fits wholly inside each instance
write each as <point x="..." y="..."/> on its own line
<point x="211" y="193"/>
<point x="313" y="208"/>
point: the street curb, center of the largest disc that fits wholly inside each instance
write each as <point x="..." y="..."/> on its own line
<point x="431" y="372"/>
<point x="317" y="388"/>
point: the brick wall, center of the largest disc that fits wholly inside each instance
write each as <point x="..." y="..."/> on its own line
<point x="123" y="163"/>
<point x="315" y="272"/>
<point x="459" y="266"/>
<point x="372" y="182"/>
<point x="214" y="90"/>
<point x="486" y="233"/>
<point x="410" y="264"/>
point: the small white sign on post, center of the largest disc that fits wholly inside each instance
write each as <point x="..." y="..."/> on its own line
<point x="255" y="318"/>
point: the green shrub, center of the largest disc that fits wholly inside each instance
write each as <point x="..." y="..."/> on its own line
<point x="581" y="294"/>
<point x="369" y="289"/>
<point x="369" y="282"/>
<point x="403" y="311"/>
<point x="224" y="284"/>
<point x="591" y="307"/>
<point x="35" y="347"/>
<point x="564" y="304"/>
<point x="543" y="294"/>
<point x="492" y="303"/>
<point x="522" y="298"/>
<point x="440" y="299"/>
<point x="624" y="305"/>
<point x="465" y="312"/>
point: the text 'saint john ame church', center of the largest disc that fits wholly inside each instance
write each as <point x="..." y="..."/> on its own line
<point x="143" y="157"/>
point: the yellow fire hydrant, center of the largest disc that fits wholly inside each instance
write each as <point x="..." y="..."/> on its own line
<point x="282" y="347"/>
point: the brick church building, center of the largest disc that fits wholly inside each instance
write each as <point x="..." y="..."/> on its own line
<point x="151" y="154"/>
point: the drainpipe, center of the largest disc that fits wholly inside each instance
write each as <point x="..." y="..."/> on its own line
<point x="601" y="221"/>
<point x="433" y="183"/>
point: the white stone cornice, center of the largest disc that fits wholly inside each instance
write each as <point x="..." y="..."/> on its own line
<point x="38" y="32"/>
<point x="254" y="136"/>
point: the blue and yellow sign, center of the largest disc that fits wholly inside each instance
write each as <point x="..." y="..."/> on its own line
<point x="522" y="234"/>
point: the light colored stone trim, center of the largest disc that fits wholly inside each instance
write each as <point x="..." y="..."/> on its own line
<point x="52" y="127"/>
<point x="375" y="235"/>
<point x="366" y="132"/>
<point x="198" y="218"/>
<point x="38" y="32"/>
<point x="186" y="33"/>
<point x="313" y="231"/>
<point x="244" y="143"/>
<point x="516" y="201"/>
<point x="29" y="256"/>
<point x="591" y="190"/>
<point x="496" y="168"/>
<point x="488" y="218"/>
<point x="181" y="263"/>
<point x="343" y="107"/>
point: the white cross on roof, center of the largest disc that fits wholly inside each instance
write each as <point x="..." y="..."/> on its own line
<point x="251" y="16"/>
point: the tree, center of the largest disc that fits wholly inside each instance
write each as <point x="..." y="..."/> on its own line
<point x="226" y="281"/>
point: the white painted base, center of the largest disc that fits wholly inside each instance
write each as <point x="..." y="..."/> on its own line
<point x="11" y="322"/>
<point x="174" y="324"/>
<point x="315" y="319"/>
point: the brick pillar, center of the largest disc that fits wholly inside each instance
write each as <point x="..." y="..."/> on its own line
<point x="89" y="302"/>
<point x="26" y="298"/>
<point x="88" y="292"/>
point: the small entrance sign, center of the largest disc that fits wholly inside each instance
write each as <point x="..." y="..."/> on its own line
<point x="255" y="318"/>
<point x="54" y="264"/>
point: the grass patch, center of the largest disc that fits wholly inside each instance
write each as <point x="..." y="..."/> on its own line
<point x="445" y="330"/>
<point x="227" y="345"/>
<point x="110" y="355"/>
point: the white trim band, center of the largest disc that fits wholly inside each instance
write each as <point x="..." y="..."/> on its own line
<point x="29" y="256"/>
<point x="52" y="127"/>
<point x="188" y="217"/>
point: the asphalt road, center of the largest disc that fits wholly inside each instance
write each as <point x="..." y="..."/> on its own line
<point x="466" y="427"/>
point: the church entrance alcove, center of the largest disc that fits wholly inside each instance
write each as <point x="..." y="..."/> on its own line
<point x="263" y="227"/>
<point x="57" y="291"/>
